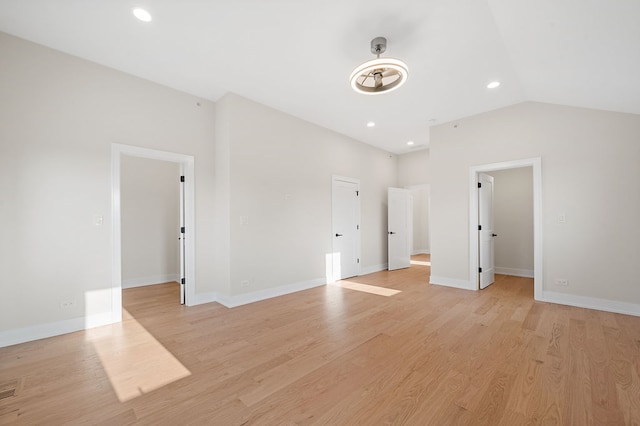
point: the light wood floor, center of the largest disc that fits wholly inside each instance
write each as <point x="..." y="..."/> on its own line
<point x="386" y="348"/>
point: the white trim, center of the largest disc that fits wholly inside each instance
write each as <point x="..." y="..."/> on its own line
<point x="43" y="331"/>
<point x="374" y="268"/>
<point x="452" y="282"/>
<point x="206" y="297"/>
<point x="345" y="179"/>
<point x="259" y="295"/>
<point x="421" y="251"/>
<point x="153" y="280"/>
<point x="116" y="242"/>
<point x="536" y="164"/>
<point x="526" y="273"/>
<point x="187" y="168"/>
<point x="591" y="303"/>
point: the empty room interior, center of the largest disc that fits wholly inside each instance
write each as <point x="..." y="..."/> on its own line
<point x="346" y="212"/>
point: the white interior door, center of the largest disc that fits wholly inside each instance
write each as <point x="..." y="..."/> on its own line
<point x="345" y="212"/>
<point x="181" y="241"/>
<point x="485" y="231"/>
<point x="400" y="228"/>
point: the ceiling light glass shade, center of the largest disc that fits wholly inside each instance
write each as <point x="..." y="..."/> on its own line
<point x="380" y="75"/>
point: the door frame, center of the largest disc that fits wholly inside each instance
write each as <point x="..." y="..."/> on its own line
<point x="187" y="169"/>
<point x="536" y="164"/>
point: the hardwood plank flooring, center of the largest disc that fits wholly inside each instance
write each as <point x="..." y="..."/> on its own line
<point x="384" y="348"/>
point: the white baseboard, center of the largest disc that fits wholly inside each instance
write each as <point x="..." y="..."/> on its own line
<point x="591" y="303"/>
<point x="42" y="331"/>
<point x="451" y="282"/>
<point x="257" y="296"/>
<point x="421" y="251"/>
<point x="526" y="273"/>
<point x="208" y="297"/>
<point x="155" y="279"/>
<point x="375" y="268"/>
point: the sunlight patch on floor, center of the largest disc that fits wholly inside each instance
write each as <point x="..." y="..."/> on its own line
<point x="135" y="362"/>
<point x="421" y="262"/>
<point x="381" y="291"/>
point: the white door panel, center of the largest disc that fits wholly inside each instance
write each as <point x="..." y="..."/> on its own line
<point x="181" y="240"/>
<point x="400" y="228"/>
<point x="345" y="228"/>
<point x="486" y="235"/>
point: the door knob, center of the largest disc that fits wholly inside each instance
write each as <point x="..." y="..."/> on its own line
<point x="338" y="235"/>
<point x="494" y="235"/>
<point x="391" y="232"/>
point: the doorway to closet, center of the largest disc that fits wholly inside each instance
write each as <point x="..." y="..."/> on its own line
<point x="144" y="164"/>
<point x="476" y="256"/>
<point x="150" y="215"/>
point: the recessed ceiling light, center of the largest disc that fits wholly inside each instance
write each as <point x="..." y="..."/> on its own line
<point x="142" y="14"/>
<point x="410" y="143"/>
<point x="371" y="124"/>
<point x="493" y="84"/>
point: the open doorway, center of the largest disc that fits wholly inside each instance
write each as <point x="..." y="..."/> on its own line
<point x="474" y="207"/>
<point x="421" y="195"/>
<point x="150" y="219"/>
<point x="185" y="164"/>
<point x="513" y="221"/>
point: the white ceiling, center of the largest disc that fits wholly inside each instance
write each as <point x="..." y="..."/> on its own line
<point x="296" y="55"/>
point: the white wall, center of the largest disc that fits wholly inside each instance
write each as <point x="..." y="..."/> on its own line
<point x="150" y="220"/>
<point x="280" y="182"/>
<point x="413" y="168"/>
<point x="513" y="221"/>
<point x="59" y="116"/>
<point x="590" y="173"/>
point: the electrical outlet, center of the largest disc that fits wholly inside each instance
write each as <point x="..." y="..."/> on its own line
<point x="244" y="283"/>
<point x="66" y="304"/>
<point x="562" y="281"/>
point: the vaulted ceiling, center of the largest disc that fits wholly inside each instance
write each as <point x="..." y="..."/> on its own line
<point x="296" y="55"/>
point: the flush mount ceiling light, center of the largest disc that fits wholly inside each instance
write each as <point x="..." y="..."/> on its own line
<point x="142" y="14"/>
<point x="379" y="75"/>
<point x="493" y="85"/>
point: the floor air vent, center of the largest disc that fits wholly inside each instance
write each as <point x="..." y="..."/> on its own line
<point x="8" y="389"/>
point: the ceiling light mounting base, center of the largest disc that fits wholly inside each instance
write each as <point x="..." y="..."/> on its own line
<point x="378" y="45"/>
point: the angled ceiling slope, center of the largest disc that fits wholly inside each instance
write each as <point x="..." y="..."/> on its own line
<point x="297" y="57"/>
